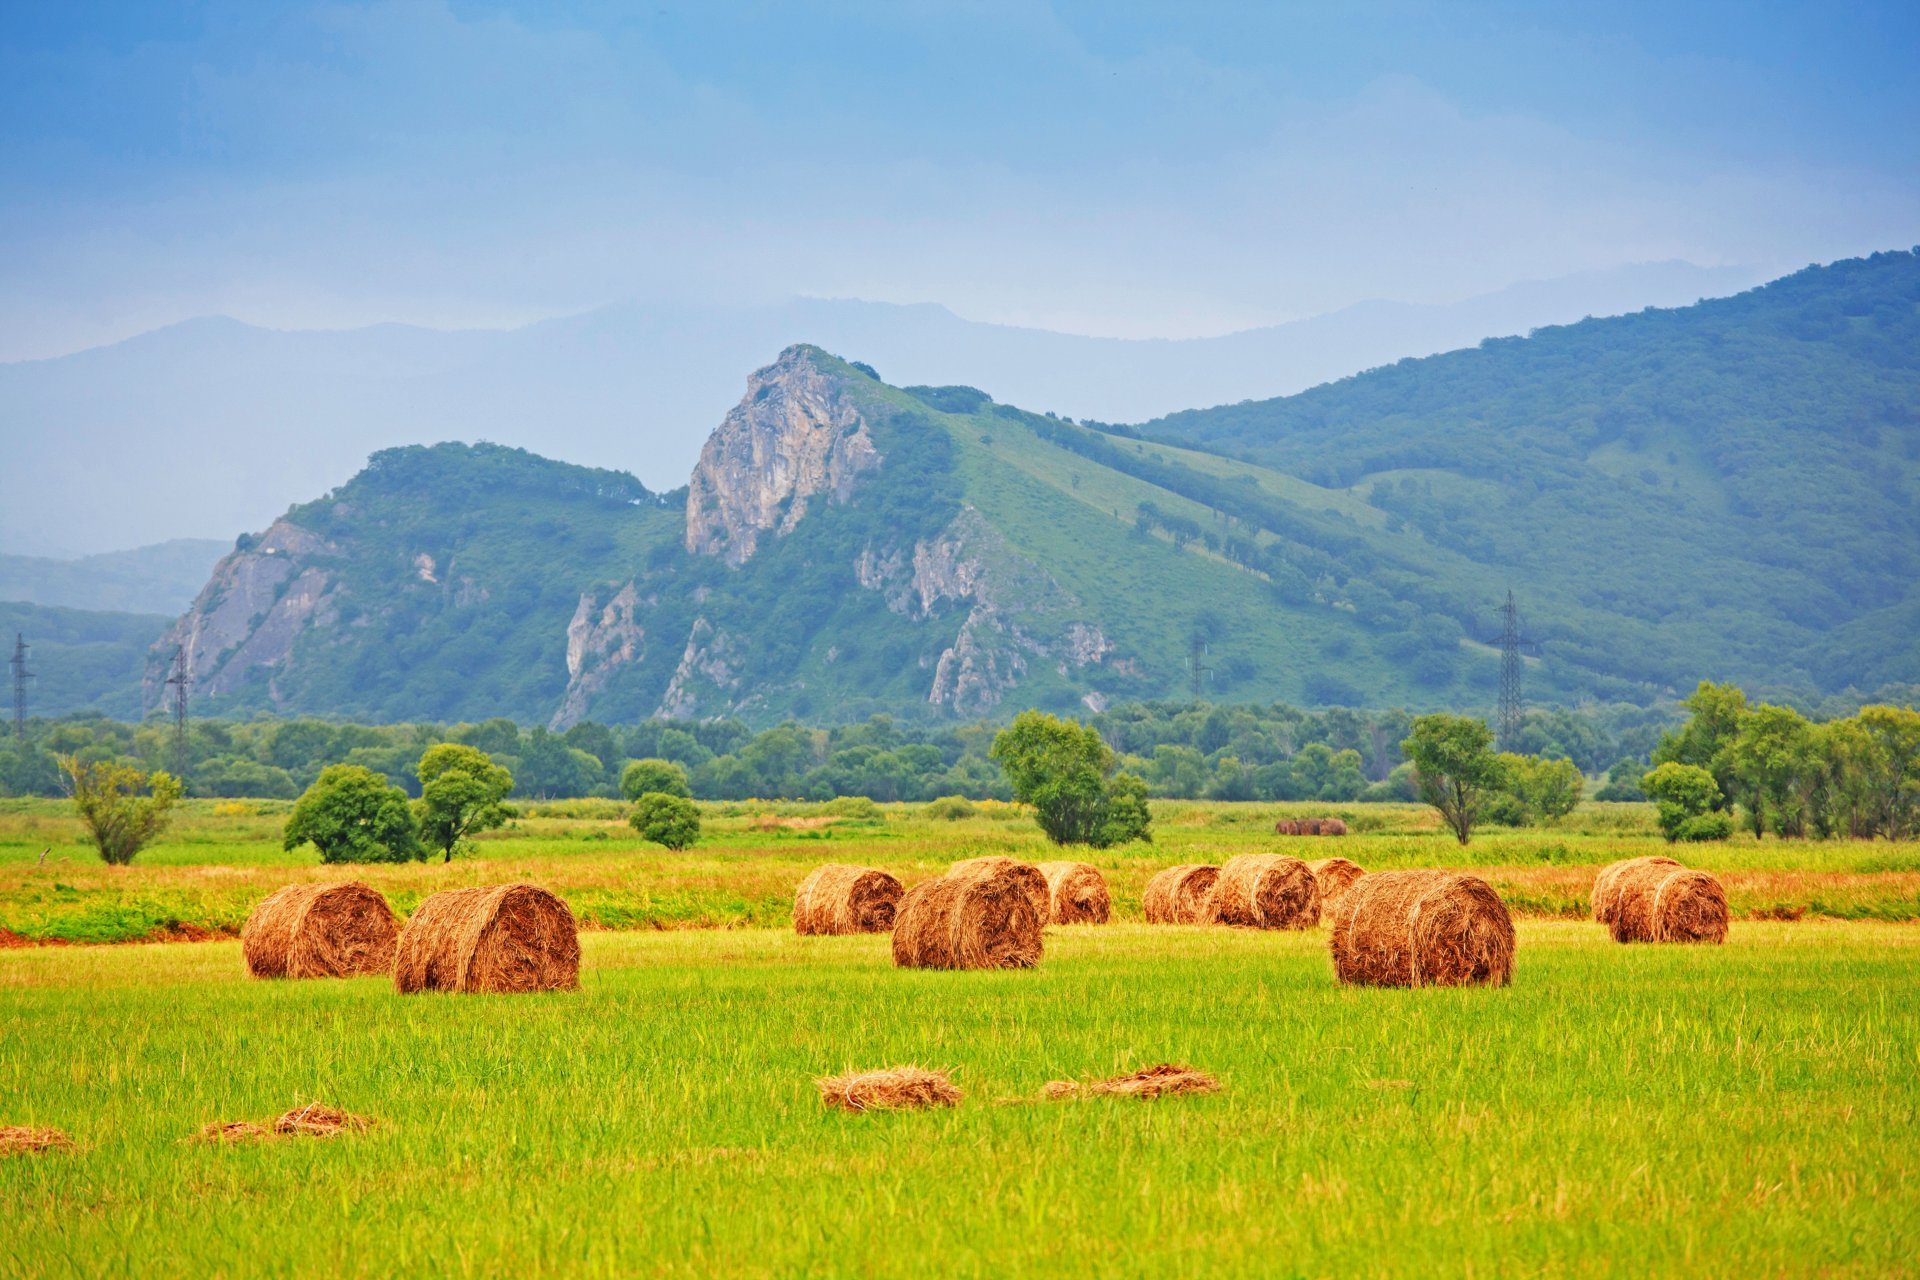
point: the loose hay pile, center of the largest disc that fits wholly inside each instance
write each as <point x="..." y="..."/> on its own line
<point x="232" y="1131"/>
<point x="838" y="898"/>
<point x="25" y="1140"/>
<point x="318" y="1120"/>
<point x="1029" y="875"/>
<point x="974" y="917"/>
<point x="1422" y="929"/>
<point x="1077" y="893"/>
<point x="1265" y="891"/>
<point x="1606" y="885"/>
<point x="892" y="1089"/>
<point x="498" y="938"/>
<point x="1335" y="877"/>
<point x="1152" y="1082"/>
<point x="1654" y="903"/>
<point x="320" y="931"/>
<point x="1179" y="895"/>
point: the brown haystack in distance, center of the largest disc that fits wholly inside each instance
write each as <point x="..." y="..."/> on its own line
<point x="1336" y="876"/>
<point x="1606" y="885"/>
<point x="1029" y="875"/>
<point x="1179" y="894"/>
<point x="1655" y="903"/>
<point x="971" y="918"/>
<point x="892" y="1089"/>
<point x="1332" y="827"/>
<point x="1309" y="827"/>
<point x="497" y="938"/>
<point x="1422" y="929"/>
<point x="1265" y="891"/>
<point x="320" y="931"/>
<point x="839" y="898"/>
<point x="1077" y="893"/>
<point x="1152" y="1082"/>
<point x="25" y="1140"/>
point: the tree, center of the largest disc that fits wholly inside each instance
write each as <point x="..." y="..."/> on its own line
<point x="1544" y="788"/>
<point x="654" y="775"/>
<point x="1774" y="758"/>
<point x="667" y="820"/>
<point x="352" y="814"/>
<point x="1065" y="771"/>
<point x="1685" y="795"/>
<point x="1455" y="767"/>
<point x="1707" y="738"/>
<point x="120" y="820"/>
<point x="461" y="792"/>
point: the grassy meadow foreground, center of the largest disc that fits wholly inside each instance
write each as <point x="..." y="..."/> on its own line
<point x="1735" y="1110"/>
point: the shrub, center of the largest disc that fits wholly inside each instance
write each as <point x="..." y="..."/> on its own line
<point x="1707" y="826"/>
<point x="119" y="820"/>
<point x="665" y="819"/>
<point x="950" y="809"/>
<point x="1683" y="793"/>
<point x="352" y="814"/>
<point x="860" y="808"/>
<point x="653" y="777"/>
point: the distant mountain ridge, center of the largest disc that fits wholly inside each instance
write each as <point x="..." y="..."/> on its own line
<point x="158" y="579"/>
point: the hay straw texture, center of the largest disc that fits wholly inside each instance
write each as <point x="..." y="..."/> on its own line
<point x="892" y="1089"/>
<point x="1310" y="827"/>
<point x="1029" y="875"/>
<point x="1077" y="892"/>
<point x="320" y="931"/>
<point x="1668" y="904"/>
<point x="839" y="898"/>
<point x="1332" y="827"/>
<point x="1179" y="894"/>
<point x="1335" y="876"/>
<point x="1265" y="891"/>
<point x="318" y="1120"/>
<point x="1606" y="885"/>
<point x="1422" y="929"/>
<point x="498" y="938"/>
<point x="24" y="1140"/>
<point x="971" y="918"/>
<point x="1152" y="1082"/>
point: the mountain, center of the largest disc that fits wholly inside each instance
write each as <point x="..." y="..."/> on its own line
<point x="221" y="424"/>
<point x="82" y="661"/>
<point x="160" y="579"/>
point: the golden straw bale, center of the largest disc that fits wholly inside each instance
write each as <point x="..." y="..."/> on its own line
<point x="1265" y="891"/>
<point x="891" y="1089"/>
<point x="320" y="931"/>
<point x="1077" y="892"/>
<point x="1179" y="894"/>
<point x="1606" y="885"/>
<point x="1028" y="874"/>
<point x="1420" y="929"/>
<point x="1655" y="903"/>
<point x="25" y="1140"/>
<point x="839" y="898"/>
<point x="970" y="918"/>
<point x="1336" y="876"/>
<point x="1151" y="1082"/>
<point x="497" y="938"/>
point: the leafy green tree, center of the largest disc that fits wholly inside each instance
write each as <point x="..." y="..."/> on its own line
<point x="119" y="820"/>
<point x="1547" y="789"/>
<point x="1065" y="772"/>
<point x="1683" y="794"/>
<point x="1623" y="781"/>
<point x="1774" y="757"/>
<point x="1707" y="738"/>
<point x="654" y="775"/>
<point x="462" y="792"/>
<point x="1455" y="766"/>
<point x="1888" y="756"/>
<point x="352" y="814"/>
<point x="667" y="820"/>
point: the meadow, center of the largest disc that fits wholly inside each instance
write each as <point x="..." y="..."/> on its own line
<point x="1744" y="1109"/>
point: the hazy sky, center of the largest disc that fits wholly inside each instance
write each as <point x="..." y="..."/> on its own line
<point x="1103" y="168"/>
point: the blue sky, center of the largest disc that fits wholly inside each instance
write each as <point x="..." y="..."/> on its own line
<point x="1102" y="168"/>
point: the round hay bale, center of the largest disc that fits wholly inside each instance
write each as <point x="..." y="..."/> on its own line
<point x="839" y="898"/>
<point x="1332" y="827"/>
<point x="1422" y="929"/>
<point x="972" y="919"/>
<point x="1336" y="876"/>
<point x="1179" y="894"/>
<point x="1654" y="903"/>
<point x="1606" y="885"/>
<point x="320" y="931"/>
<point x="496" y="938"/>
<point x="1077" y="893"/>
<point x="1309" y="826"/>
<point x="1286" y="827"/>
<point x="1027" y="873"/>
<point x="1265" y="891"/>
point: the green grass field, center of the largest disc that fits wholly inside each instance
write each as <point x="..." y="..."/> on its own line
<point x="1740" y="1110"/>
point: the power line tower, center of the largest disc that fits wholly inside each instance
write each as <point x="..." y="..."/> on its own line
<point x="1198" y="670"/>
<point x="179" y="681"/>
<point x="20" y="677"/>
<point x="1510" y="704"/>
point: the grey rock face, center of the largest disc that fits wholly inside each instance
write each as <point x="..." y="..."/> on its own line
<point x="600" y="641"/>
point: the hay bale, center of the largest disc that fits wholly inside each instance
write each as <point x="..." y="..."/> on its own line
<point x="1310" y="826"/>
<point x="1076" y="893"/>
<point x="1028" y="873"/>
<point x="1336" y="876"/>
<point x="891" y="1089"/>
<point x="1179" y="894"/>
<point x="970" y="918"/>
<point x="1151" y="1082"/>
<point x="1265" y="891"/>
<point x="1606" y="885"/>
<point x="1332" y="827"/>
<point x="1286" y="827"/>
<point x="838" y="899"/>
<point x="496" y="938"/>
<point x="1422" y="929"/>
<point x="320" y="931"/>
<point x="1654" y="903"/>
<point x="25" y="1140"/>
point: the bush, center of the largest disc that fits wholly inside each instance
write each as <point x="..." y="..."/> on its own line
<point x="352" y="814"/>
<point x="653" y="777"/>
<point x="950" y="809"/>
<point x="860" y="808"/>
<point x="1683" y="793"/>
<point x="665" y="819"/>
<point x="1707" y="826"/>
<point x="1065" y="772"/>
<point x="119" y="820"/>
